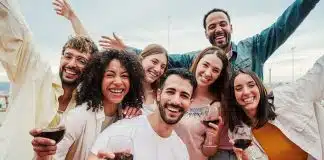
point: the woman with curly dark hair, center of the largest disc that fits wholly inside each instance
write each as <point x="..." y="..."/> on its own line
<point x="154" y="59"/>
<point x="111" y="81"/>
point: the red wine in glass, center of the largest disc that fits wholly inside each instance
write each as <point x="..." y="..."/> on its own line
<point x="242" y="143"/>
<point x="55" y="134"/>
<point x="122" y="156"/>
<point x="206" y="122"/>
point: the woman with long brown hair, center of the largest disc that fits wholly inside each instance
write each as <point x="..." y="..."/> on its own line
<point x="210" y="70"/>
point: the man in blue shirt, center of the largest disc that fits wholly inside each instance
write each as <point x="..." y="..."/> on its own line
<point x="250" y="53"/>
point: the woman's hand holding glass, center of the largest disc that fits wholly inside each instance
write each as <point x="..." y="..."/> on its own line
<point x="213" y="122"/>
<point x="241" y="138"/>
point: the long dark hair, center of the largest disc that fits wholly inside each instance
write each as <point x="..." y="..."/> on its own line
<point x="234" y="112"/>
<point x="90" y="89"/>
<point x="217" y="88"/>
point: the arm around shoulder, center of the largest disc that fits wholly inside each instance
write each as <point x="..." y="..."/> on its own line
<point x="182" y="60"/>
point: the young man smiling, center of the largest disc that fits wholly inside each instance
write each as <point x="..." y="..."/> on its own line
<point x="153" y="136"/>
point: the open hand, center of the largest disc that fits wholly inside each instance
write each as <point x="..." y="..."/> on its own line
<point x="63" y="8"/>
<point x="112" y="43"/>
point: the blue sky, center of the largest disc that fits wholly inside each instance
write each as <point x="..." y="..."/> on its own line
<point x="142" y="22"/>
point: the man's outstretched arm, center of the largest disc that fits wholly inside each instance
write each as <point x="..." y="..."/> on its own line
<point x="274" y="36"/>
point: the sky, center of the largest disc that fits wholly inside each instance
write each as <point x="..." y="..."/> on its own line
<point x="177" y="25"/>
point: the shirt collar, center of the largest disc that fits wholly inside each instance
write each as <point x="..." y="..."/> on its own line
<point x="101" y="114"/>
<point x="233" y="52"/>
<point x="57" y="85"/>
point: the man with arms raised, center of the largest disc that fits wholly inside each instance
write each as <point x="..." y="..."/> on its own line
<point x="250" y="53"/>
<point x="37" y="95"/>
<point x="153" y="136"/>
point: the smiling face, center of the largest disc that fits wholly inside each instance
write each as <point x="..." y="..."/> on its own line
<point x="247" y="94"/>
<point x="208" y="70"/>
<point x="174" y="99"/>
<point x="154" y="66"/>
<point x="218" y="30"/>
<point x="72" y="65"/>
<point x="115" y="82"/>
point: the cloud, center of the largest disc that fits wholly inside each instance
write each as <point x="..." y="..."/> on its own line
<point x="142" y="22"/>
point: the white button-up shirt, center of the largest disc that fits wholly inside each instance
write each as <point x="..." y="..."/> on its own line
<point x="82" y="128"/>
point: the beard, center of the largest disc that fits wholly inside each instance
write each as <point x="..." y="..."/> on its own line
<point x="71" y="83"/>
<point x="224" y="45"/>
<point x="164" y="116"/>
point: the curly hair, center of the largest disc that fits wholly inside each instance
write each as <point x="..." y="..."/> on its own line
<point x="82" y="44"/>
<point x="90" y="88"/>
<point x="217" y="88"/>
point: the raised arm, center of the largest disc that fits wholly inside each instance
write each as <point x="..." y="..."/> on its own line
<point x="114" y="42"/>
<point x="63" y="8"/>
<point x="178" y="60"/>
<point x="272" y="37"/>
<point x="17" y="53"/>
<point x="175" y="60"/>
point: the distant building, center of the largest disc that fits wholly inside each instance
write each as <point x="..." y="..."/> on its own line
<point x="4" y="95"/>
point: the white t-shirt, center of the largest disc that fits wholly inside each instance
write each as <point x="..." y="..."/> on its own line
<point x="148" y="108"/>
<point x="147" y="144"/>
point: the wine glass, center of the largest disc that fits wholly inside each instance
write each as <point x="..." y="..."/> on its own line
<point x="55" y="130"/>
<point x="121" y="146"/>
<point x="211" y="116"/>
<point x="242" y="136"/>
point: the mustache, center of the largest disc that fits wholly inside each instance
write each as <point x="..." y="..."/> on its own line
<point x="220" y="34"/>
<point x="213" y="35"/>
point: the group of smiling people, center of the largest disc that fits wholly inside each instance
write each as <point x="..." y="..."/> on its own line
<point x="283" y="129"/>
<point x="121" y="92"/>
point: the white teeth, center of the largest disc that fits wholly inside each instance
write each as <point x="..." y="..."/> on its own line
<point x="249" y="100"/>
<point x="204" y="79"/>
<point x="116" y="90"/>
<point x="172" y="109"/>
<point x="152" y="74"/>
<point x="70" y="72"/>
<point x="219" y="37"/>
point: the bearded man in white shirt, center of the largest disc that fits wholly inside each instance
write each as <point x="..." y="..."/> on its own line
<point x="153" y="136"/>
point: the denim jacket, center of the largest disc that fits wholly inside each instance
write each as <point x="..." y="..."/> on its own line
<point x="251" y="53"/>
